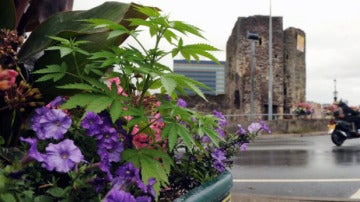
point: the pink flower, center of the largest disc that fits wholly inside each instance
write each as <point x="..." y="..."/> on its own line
<point x="117" y="83"/>
<point x="7" y="78"/>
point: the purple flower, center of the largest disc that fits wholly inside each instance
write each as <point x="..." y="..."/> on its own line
<point x="219" y="166"/>
<point x="107" y="138"/>
<point x="143" y="199"/>
<point x="243" y="147"/>
<point x="220" y="132"/>
<point x="92" y="123"/>
<point x="205" y="139"/>
<point x="254" y="127"/>
<point x="221" y="118"/>
<point x="240" y="130"/>
<point x="105" y="164"/>
<point x="264" y="126"/>
<point x="56" y="102"/>
<point x="181" y="103"/>
<point x="33" y="151"/>
<point x="115" y="195"/>
<point x="63" y="156"/>
<point x="128" y="172"/>
<point x="115" y="152"/>
<point x="150" y="187"/>
<point x="218" y="154"/>
<point x="50" y="123"/>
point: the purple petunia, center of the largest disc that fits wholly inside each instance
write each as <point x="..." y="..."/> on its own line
<point x="219" y="166"/>
<point x="254" y="127"/>
<point x="264" y="126"/>
<point x="33" y="151"/>
<point x="220" y="132"/>
<point x="243" y="147"/>
<point x="128" y="172"/>
<point x="127" y="175"/>
<point x="219" y="157"/>
<point x="115" y="195"/>
<point x="143" y="199"/>
<point x="181" y="103"/>
<point x="221" y="118"/>
<point x="50" y="123"/>
<point x="107" y="138"/>
<point x="150" y="187"/>
<point x="56" y="102"/>
<point x="218" y="154"/>
<point x="115" y="152"/>
<point x="63" y="156"/>
<point x="92" y="123"/>
<point x="240" y="130"/>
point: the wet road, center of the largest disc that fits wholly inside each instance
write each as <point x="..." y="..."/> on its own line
<point x="299" y="167"/>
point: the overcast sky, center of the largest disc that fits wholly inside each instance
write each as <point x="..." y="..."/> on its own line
<point x="332" y="29"/>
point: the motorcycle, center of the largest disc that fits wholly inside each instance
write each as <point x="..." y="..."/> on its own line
<point x="345" y="125"/>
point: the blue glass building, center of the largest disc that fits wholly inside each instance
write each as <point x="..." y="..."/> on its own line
<point x="206" y="72"/>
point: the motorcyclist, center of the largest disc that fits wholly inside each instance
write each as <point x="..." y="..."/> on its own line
<point x="343" y="111"/>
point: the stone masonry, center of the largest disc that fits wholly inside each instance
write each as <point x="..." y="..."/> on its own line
<point x="288" y="51"/>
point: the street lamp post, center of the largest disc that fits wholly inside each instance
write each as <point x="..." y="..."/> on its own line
<point x="335" y="91"/>
<point x="270" y="95"/>
<point x="252" y="37"/>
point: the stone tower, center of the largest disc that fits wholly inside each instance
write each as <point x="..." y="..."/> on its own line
<point x="288" y="59"/>
<point x="295" y="71"/>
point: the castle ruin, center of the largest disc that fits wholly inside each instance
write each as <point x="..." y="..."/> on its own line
<point x="288" y="62"/>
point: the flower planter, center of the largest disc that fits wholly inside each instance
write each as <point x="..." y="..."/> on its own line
<point x="216" y="190"/>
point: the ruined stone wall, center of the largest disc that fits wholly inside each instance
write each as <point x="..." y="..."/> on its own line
<point x="238" y="86"/>
<point x="294" y="67"/>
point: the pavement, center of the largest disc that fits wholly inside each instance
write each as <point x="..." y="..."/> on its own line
<point x="235" y="197"/>
<point x="241" y="197"/>
<point x="277" y="135"/>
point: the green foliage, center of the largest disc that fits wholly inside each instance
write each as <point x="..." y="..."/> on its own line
<point x="84" y="63"/>
<point x="154" y="163"/>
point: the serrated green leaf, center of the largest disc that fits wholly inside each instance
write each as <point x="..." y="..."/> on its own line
<point x="45" y="78"/>
<point x="148" y="11"/>
<point x="150" y="164"/>
<point x="79" y="86"/>
<point x="81" y="100"/>
<point x="213" y="135"/>
<point x="168" y="83"/>
<point x="52" y="72"/>
<point x="116" y="110"/>
<point x="169" y="36"/>
<point x="99" y="104"/>
<point x="170" y="132"/>
<point x="64" y="51"/>
<point x="186" y="28"/>
<point x="51" y="69"/>
<point x="151" y="168"/>
<point x="185" y="135"/>
<point x="116" y="33"/>
<point x="58" y="76"/>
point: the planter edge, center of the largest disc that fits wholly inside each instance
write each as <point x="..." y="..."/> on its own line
<point x="217" y="189"/>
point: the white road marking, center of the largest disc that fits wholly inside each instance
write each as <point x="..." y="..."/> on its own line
<point x="356" y="195"/>
<point x="299" y="180"/>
